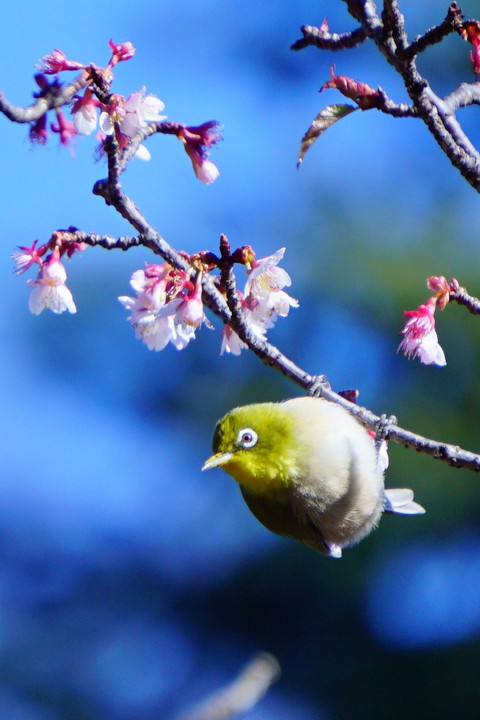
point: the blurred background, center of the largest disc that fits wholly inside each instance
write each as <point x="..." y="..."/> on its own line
<point x="131" y="585"/>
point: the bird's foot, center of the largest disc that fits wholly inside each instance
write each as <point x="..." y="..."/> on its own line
<point x="383" y="428"/>
<point x="318" y="384"/>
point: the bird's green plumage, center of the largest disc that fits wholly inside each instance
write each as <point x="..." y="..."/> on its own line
<point x="273" y="463"/>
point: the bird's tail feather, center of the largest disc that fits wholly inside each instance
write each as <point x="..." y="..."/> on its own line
<point x="400" y="501"/>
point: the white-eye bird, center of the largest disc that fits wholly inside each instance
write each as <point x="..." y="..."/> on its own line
<point x="307" y="470"/>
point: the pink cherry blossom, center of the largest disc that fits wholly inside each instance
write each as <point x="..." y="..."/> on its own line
<point x="262" y="301"/>
<point x="264" y="289"/>
<point x="167" y="308"/>
<point x="197" y="139"/>
<point x="190" y="311"/>
<point x="126" y="117"/>
<point x="205" y="170"/>
<point x="50" y="290"/>
<point x="442" y="289"/>
<point x="84" y="113"/>
<point x="420" y="338"/>
<point x="231" y="343"/>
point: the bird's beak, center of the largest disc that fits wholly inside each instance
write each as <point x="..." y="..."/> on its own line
<point x="217" y="460"/>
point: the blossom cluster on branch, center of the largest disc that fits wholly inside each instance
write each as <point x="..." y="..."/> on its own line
<point x="168" y="305"/>
<point x="93" y="105"/>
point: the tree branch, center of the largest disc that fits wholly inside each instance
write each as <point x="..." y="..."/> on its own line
<point x="451" y="24"/>
<point x="466" y="94"/>
<point x="389" y="35"/>
<point x="328" y="41"/>
<point x="462" y="297"/>
<point x="56" y="96"/>
<point x="241" y="695"/>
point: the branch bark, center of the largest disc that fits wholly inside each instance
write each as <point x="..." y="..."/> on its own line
<point x="389" y="35"/>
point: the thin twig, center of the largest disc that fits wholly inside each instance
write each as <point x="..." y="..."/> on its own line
<point x="328" y="41"/>
<point x="241" y="695"/>
<point x="165" y="128"/>
<point x="466" y="94"/>
<point x="462" y="297"/>
<point x="451" y="24"/>
<point x="54" y="97"/>
<point x="389" y="107"/>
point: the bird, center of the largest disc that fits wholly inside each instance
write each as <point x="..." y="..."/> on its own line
<point x="307" y="470"/>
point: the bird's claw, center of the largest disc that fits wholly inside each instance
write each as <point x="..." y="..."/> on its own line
<point x="383" y="428"/>
<point x="318" y="384"/>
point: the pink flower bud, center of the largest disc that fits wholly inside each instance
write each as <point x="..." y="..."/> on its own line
<point x="441" y="288"/>
<point x="120" y="52"/>
<point x="65" y="128"/>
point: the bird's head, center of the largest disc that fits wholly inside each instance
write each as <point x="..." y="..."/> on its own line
<point x="256" y="445"/>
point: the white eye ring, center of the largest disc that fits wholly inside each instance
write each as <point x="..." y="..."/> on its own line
<point x="247" y="438"/>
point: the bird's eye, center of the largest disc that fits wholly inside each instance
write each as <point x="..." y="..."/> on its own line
<point x="247" y="438"/>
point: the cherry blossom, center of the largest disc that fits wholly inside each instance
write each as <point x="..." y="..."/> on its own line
<point x="263" y="299"/>
<point x="50" y="290"/>
<point x="420" y="338"/>
<point x="197" y="139"/>
<point x="264" y="289"/>
<point x="441" y="288"/>
<point x="126" y="117"/>
<point x="84" y="113"/>
<point x="167" y="308"/>
<point x="232" y="344"/>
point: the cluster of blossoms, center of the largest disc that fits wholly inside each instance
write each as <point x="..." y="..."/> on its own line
<point x="114" y="114"/>
<point x="168" y="306"/>
<point x="49" y="287"/>
<point x="263" y="299"/>
<point x="420" y="338"/>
